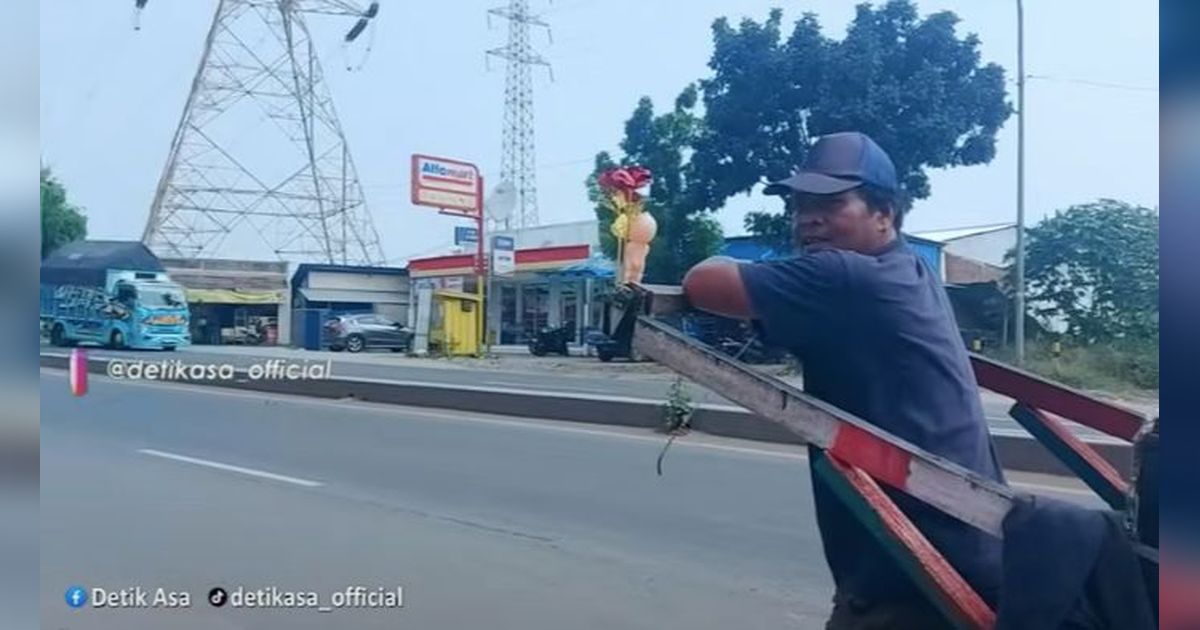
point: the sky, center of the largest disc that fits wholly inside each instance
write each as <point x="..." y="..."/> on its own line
<point x="111" y="97"/>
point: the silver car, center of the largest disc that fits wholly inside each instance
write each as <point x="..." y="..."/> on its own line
<point x="356" y="333"/>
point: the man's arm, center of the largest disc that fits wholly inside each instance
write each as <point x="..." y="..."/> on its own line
<point x="716" y="286"/>
<point x="787" y="298"/>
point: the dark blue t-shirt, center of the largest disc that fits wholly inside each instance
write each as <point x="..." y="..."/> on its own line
<point x="876" y="337"/>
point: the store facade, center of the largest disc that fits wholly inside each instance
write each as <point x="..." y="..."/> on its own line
<point x="551" y="286"/>
<point x="230" y="298"/>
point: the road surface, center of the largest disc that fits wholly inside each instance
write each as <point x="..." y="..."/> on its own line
<point x="483" y="521"/>
<point x="389" y="366"/>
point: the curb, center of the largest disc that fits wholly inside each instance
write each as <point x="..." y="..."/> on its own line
<point x="1016" y="452"/>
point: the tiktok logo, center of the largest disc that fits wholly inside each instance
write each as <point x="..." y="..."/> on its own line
<point x="217" y="597"/>
<point x="76" y="596"/>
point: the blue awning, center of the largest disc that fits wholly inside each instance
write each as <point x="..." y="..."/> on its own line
<point x="594" y="267"/>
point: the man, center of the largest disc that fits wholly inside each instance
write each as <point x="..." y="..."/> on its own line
<point x="873" y="329"/>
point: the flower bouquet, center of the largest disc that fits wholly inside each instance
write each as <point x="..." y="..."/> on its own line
<point x="633" y="227"/>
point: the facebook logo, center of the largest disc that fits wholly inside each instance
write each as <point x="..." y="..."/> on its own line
<point x="76" y="596"/>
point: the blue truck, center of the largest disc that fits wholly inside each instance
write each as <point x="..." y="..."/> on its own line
<point x="113" y="293"/>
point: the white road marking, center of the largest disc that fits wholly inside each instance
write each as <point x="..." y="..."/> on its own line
<point x="423" y="413"/>
<point x="230" y="468"/>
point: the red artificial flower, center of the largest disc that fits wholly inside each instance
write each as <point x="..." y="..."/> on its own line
<point x="640" y="175"/>
<point x="625" y="180"/>
<point x="606" y="180"/>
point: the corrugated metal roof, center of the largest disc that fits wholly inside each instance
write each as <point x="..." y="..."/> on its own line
<point x="243" y="281"/>
<point x="951" y="234"/>
<point x="88" y="262"/>
<point x="300" y="278"/>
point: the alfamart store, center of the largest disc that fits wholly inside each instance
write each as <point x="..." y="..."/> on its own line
<point x="559" y="280"/>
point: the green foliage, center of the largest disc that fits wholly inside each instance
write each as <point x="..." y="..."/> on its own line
<point x="677" y="417"/>
<point x="1125" y="366"/>
<point x="62" y="222"/>
<point x="911" y="84"/>
<point x="686" y="234"/>
<point x="678" y="411"/>
<point x="1095" y="267"/>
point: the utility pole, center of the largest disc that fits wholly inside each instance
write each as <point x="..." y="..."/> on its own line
<point x="1019" y="322"/>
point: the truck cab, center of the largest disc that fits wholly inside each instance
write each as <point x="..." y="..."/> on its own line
<point x="156" y="314"/>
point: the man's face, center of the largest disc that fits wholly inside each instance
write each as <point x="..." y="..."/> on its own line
<point x="841" y="221"/>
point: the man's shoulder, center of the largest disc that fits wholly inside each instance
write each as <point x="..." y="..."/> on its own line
<point x="824" y="269"/>
<point x="898" y="264"/>
<point x="826" y="259"/>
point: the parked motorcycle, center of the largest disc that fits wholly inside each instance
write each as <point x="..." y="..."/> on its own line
<point x="552" y="341"/>
<point x="252" y="335"/>
<point x="255" y="335"/>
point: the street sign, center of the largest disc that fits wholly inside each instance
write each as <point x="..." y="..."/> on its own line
<point x="464" y="235"/>
<point x="504" y="259"/>
<point x="453" y="186"/>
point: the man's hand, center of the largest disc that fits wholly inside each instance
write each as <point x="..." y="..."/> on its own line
<point x="715" y="286"/>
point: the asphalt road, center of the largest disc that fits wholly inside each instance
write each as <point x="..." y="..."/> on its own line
<point x="483" y="521"/>
<point x="391" y="367"/>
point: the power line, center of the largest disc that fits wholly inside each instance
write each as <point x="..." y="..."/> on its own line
<point x="569" y="6"/>
<point x="1086" y="82"/>
<point x="1098" y="84"/>
<point x="554" y="165"/>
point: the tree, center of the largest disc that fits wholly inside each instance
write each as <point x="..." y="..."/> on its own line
<point x="1095" y="267"/>
<point x="62" y="222"/>
<point x="686" y="234"/>
<point x="911" y="84"/>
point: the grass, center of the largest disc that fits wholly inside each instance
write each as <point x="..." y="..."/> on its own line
<point x="1117" y="368"/>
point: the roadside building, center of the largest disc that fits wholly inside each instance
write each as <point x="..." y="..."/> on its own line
<point x="558" y="280"/>
<point x="974" y="254"/>
<point x="974" y="259"/>
<point x="319" y="291"/>
<point x="228" y="298"/>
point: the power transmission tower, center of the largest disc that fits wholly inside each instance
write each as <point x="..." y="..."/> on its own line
<point x="518" y="166"/>
<point x="259" y="161"/>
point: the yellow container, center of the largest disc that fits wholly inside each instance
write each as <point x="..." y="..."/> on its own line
<point x="458" y="324"/>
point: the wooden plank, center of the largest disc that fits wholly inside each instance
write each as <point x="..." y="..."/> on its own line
<point x="1095" y="471"/>
<point x="1060" y="400"/>
<point x="929" y="570"/>
<point x="959" y="492"/>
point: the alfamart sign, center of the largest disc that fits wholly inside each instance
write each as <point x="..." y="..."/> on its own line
<point x="450" y="185"/>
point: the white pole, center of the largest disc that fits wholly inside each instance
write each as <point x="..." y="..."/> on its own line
<point x="1019" y="322"/>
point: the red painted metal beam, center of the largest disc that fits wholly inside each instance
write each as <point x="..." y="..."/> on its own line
<point x="957" y="601"/>
<point x="1093" y="469"/>
<point x="1072" y="404"/>
<point x="961" y="493"/>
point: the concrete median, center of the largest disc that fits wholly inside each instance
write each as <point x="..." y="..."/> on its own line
<point x="1017" y="451"/>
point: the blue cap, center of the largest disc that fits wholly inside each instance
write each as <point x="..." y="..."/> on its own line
<point x="839" y="162"/>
